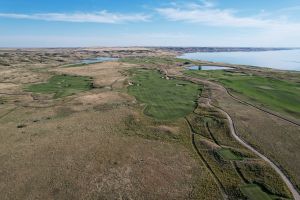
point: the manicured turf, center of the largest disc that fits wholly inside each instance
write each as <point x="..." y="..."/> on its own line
<point x="253" y="192"/>
<point x="227" y="154"/>
<point x="62" y="85"/>
<point x="278" y="95"/>
<point x="165" y="99"/>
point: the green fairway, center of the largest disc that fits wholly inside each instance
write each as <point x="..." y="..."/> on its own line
<point x="278" y="95"/>
<point x="253" y="192"/>
<point x="62" y="85"/>
<point x="165" y="99"/>
<point x="227" y="154"/>
<point x="74" y="65"/>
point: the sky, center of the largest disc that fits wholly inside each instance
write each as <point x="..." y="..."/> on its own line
<point x="82" y="23"/>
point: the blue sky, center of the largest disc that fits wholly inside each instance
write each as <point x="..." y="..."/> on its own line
<point x="74" y="23"/>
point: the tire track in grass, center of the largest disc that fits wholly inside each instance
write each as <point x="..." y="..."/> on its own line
<point x="211" y="134"/>
<point x="217" y="180"/>
<point x="273" y="165"/>
<point x="260" y="108"/>
<point x="238" y="171"/>
<point x="247" y="103"/>
<point x="233" y="132"/>
<point x="10" y="111"/>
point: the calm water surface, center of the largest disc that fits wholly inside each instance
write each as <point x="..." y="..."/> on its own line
<point x="97" y="60"/>
<point x="207" y="68"/>
<point x="284" y="60"/>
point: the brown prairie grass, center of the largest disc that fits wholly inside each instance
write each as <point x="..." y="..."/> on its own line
<point x="86" y="155"/>
<point x="99" y="145"/>
<point x="257" y="128"/>
<point x="258" y="172"/>
<point x="93" y="146"/>
<point x="104" y="74"/>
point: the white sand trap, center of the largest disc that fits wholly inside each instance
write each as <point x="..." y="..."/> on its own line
<point x="266" y="87"/>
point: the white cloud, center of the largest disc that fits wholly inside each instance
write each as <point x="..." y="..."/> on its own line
<point x="208" y="14"/>
<point x="214" y="17"/>
<point x="265" y="29"/>
<point x="95" y="17"/>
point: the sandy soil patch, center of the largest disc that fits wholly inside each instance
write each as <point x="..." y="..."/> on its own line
<point x="167" y="129"/>
<point x="265" y="87"/>
<point x="104" y="74"/>
<point x="102" y="98"/>
<point x="9" y="88"/>
<point x="19" y="76"/>
<point x="4" y="86"/>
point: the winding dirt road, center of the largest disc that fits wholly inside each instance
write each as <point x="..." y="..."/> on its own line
<point x="277" y="169"/>
<point x="289" y="184"/>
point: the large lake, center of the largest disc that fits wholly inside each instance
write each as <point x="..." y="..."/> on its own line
<point x="284" y="59"/>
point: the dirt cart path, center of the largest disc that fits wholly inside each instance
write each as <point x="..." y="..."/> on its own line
<point x="289" y="184"/>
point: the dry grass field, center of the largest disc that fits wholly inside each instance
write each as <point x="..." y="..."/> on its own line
<point x="99" y="143"/>
<point x="91" y="145"/>
<point x="274" y="137"/>
<point x="87" y="155"/>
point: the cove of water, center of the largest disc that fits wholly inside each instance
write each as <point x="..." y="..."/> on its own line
<point x="97" y="60"/>
<point x="283" y="59"/>
<point x="207" y="68"/>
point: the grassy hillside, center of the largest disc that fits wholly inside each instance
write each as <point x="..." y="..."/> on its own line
<point x="62" y="85"/>
<point x="278" y="95"/>
<point x="165" y="99"/>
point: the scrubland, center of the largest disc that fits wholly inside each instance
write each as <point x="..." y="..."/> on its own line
<point x="135" y="128"/>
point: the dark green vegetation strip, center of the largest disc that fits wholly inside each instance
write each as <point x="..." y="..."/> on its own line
<point x="165" y="99"/>
<point x="253" y="192"/>
<point x="279" y="95"/>
<point x="224" y="163"/>
<point x="62" y="85"/>
<point x="227" y="154"/>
